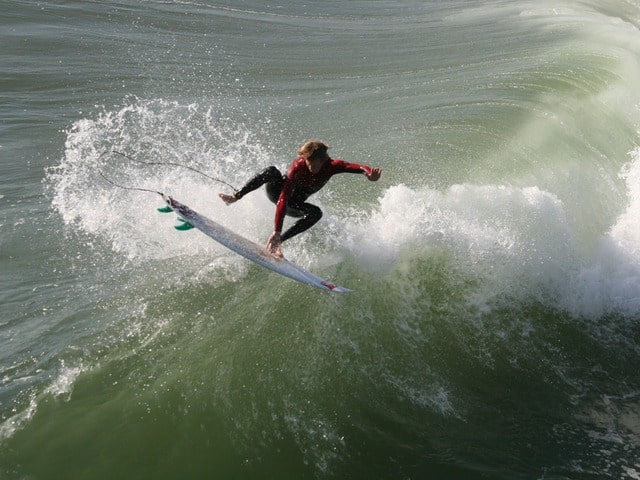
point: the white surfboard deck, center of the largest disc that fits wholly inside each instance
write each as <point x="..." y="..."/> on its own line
<point x="250" y="250"/>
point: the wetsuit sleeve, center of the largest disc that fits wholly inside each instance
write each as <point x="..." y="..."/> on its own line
<point x="341" y="166"/>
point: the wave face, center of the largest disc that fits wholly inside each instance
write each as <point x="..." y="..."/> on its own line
<point x="494" y="329"/>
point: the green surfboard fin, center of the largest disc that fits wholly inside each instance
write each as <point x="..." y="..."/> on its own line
<point x="166" y="209"/>
<point x="184" y="226"/>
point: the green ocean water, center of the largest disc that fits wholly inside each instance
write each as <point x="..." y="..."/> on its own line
<point x="493" y="331"/>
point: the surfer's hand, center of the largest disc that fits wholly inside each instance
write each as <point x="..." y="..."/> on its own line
<point x="273" y="245"/>
<point x="375" y="174"/>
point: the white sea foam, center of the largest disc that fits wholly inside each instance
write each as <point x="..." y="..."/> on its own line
<point x="610" y="281"/>
<point x="61" y="386"/>
<point x="128" y="218"/>
<point x="517" y="240"/>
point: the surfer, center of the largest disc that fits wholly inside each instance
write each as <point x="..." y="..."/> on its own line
<point x="306" y="175"/>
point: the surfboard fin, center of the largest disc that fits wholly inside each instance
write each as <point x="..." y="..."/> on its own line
<point x="166" y="209"/>
<point x="184" y="225"/>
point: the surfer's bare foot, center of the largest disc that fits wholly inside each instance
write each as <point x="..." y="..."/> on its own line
<point x="228" y="199"/>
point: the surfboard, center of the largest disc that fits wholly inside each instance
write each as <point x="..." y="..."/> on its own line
<point x="250" y="250"/>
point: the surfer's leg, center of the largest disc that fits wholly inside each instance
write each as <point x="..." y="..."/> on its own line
<point x="310" y="216"/>
<point x="270" y="176"/>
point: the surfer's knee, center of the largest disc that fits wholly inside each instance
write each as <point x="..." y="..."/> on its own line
<point x="271" y="173"/>
<point x="311" y="216"/>
<point x="314" y="214"/>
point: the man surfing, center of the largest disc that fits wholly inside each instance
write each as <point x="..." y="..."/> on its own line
<point x="306" y="175"/>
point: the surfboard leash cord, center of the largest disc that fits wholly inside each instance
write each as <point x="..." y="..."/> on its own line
<point x="183" y="225"/>
<point x="170" y="164"/>
<point x="124" y="187"/>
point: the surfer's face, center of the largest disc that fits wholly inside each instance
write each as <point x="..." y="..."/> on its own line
<point x="315" y="164"/>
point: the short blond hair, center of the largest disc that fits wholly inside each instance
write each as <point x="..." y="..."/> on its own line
<point x="313" y="148"/>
